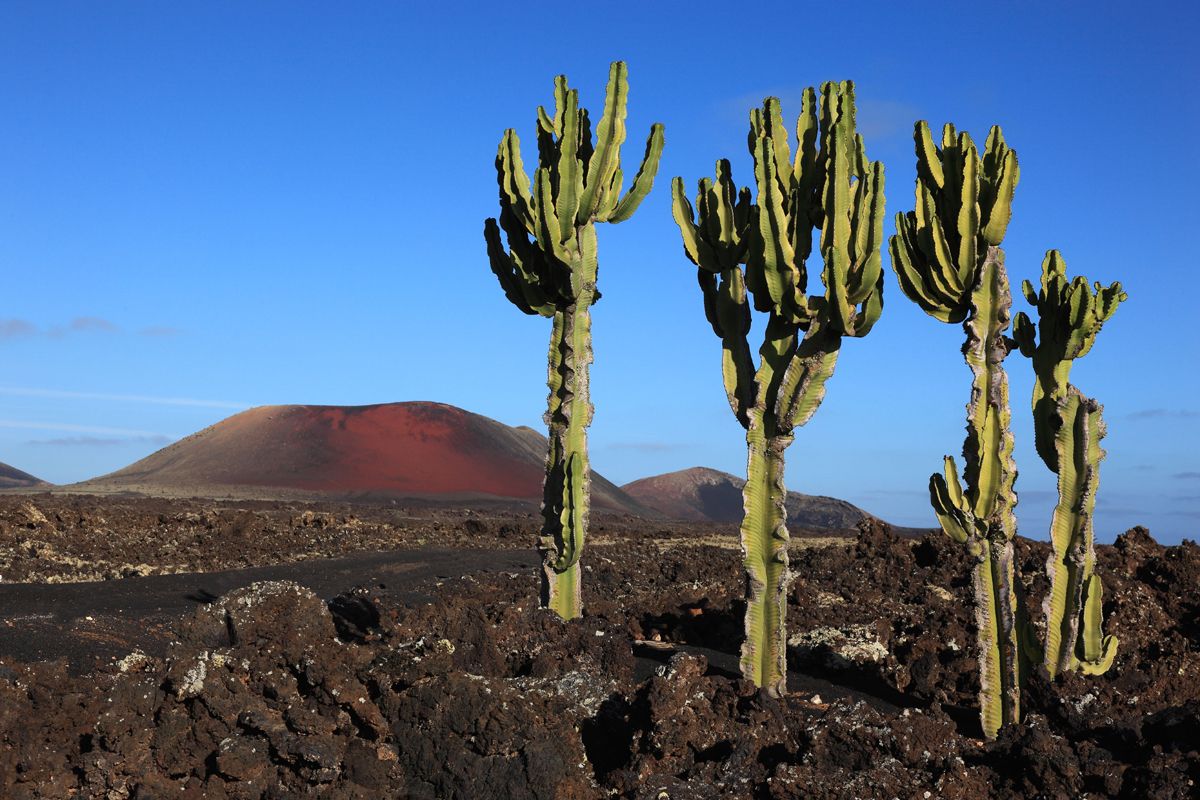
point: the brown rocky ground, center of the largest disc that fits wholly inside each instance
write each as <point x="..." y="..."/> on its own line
<point x="272" y="691"/>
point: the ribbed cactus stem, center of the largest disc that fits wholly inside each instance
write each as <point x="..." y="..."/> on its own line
<point x="1072" y="563"/>
<point x="764" y="548"/>
<point x="567" y="489"/>
<point x="991" y="475"/>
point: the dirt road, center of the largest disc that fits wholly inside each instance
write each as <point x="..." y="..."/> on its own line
<point x="90" y="623"/>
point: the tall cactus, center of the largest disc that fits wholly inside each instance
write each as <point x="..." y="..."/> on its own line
<point x="1068" y="428"/>
<point x="550" y="269"/>
<point x="829" y="185"/>
<point x="947" y="256"/>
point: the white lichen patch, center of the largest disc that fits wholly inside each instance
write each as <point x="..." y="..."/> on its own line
<point x="839" y="648"/>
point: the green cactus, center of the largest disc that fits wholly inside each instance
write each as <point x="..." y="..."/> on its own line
<point x="829" y="185"/>
<point x="550" y="269"/>
<point x="1068" y="429"/>
<point x="947" y="256"/>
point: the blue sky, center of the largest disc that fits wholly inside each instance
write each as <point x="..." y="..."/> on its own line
<point x="209" y="206"/>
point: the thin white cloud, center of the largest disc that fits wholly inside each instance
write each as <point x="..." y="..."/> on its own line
<point x="160" y="331"/>
<point x="55" y="394"/>
<point x="100" y="441"/>
<point x="28" y="425"/>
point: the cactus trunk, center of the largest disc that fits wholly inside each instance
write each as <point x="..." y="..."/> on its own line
<point x="1073" y="560"/>
<point x="566" y="491"/>
<point x="764" y="549"/>
<point x="997" y="612"/>
<point x="991" y="475"/>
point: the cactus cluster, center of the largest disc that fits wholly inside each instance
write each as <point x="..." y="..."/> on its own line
<point x="550" y="268"/>
<point x="751" y="250"/>
<point x="946" y="254"/>
<point x="830" y="185"/>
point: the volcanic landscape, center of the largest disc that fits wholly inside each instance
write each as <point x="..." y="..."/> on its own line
<point x="337" y="602"/>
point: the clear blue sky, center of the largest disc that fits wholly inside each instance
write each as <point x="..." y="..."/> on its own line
<point x="208" y="206"/>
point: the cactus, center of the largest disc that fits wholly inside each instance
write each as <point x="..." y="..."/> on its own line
<point x="947" y="256"/>
<point x="829" y="185"/>
<point x="1068" y="428"/>
<point x="550" y="269"/>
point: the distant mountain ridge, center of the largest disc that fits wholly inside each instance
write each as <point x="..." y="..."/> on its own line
<point x="416" y="449"/>
<point x="13" y="478"/>
<point x="701" y="494"/>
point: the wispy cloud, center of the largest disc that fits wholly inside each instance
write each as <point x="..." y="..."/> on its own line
<point x="83" y="325"/>
<point x="1163" y="413"/>
<point x="160" y="331"/>
<point x="97" y="441"/>
<point x="12" y="328"/>
<point x="1187" y="476"/>
<point x="28" y="425"/>
<point x="56" y="394"/>
<point x="881" y="119"/>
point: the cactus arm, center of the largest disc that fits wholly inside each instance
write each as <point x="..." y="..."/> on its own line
<point x="1000" y="210"/>
<point x="644" y="180"/>
<point x="929" y="162"/>
<point x="905" y="263"/>
<point x="778" y="256"/>
<point x="519" y="287"/>
<point x="946" y="496"/>
<point x="1096" y="654"/>
<point x="610" y="134"/>
<point x="570" y="171"/>
<point x="513" y="180"/>
<point x="737" y="365"/>
<point x="802" y="387"/>
<point x="695" y="246"/>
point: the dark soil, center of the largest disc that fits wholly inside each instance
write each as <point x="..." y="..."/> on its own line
<point x="271" y="691"/>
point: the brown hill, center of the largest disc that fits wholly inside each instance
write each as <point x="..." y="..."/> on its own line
<point x="708" y="495"/>
<point x="13" y="478"/>
<point x="413" y="450"/>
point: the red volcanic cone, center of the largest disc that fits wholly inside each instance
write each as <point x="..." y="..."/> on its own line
<point x="417" y="449"/>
